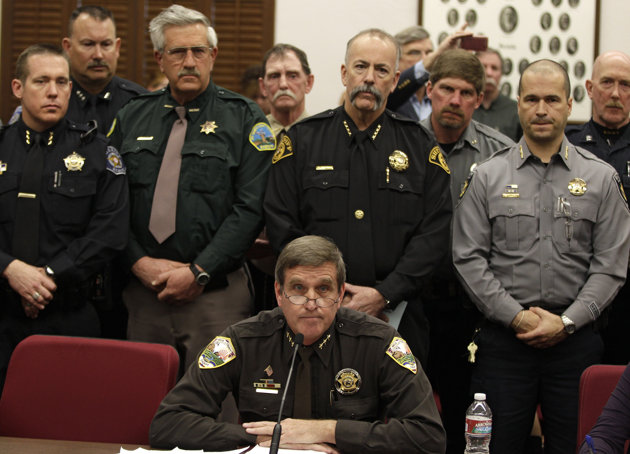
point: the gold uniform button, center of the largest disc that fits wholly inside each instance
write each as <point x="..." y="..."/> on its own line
<point x="359" y="214"/>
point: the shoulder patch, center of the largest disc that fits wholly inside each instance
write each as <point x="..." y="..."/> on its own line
<point x="285" y="149"/>
<point x="261" y="137"/>
<point x="436" y="157"/>
<point x="219" y="352"/>
<point x="115" y="163"/>
<point x="400" y="352"/>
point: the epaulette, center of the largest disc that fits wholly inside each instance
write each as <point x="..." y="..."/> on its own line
<point x="354" y="323"/>
<point x="133" y="87"/>
<point x="265" y="324"/>
<point x="573" y="129"/>
<point x="88" y="131"/>
<point x="320" y="116"/>
<point x="399" y="117"/>
<point x="489" y="131"/>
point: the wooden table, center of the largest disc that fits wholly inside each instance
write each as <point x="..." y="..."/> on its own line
<point x="13" y="445"/>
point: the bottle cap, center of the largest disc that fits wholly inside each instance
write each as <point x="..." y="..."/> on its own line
<point x="480" y="396"/>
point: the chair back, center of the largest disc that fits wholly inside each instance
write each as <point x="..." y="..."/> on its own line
<point x="596" y="385"/>
<point x="73" y="388"/>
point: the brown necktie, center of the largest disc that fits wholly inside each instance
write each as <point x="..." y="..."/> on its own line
<point x="26" y="227"/>
<point x="302" y="399"/>
<point x="164" y="208"/>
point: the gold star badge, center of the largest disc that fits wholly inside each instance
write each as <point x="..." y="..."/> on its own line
<point x="209" y="127"/>
<point x="74" y="162"/>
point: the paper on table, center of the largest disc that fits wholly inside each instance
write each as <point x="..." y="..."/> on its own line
<point x="254" y="450"/>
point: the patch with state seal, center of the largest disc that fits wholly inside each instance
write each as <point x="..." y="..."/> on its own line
<point x="436" y="157"/>
<point x="285" y="149"/>
<point x="261" y="137"/>
<point x="115" y="163"/>
<point x="400" y="352"/>
<point x="219" y="352"/>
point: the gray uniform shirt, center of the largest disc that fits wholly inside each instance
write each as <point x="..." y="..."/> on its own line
<point x="475" y="145"/>
<point x="555" y="236"/>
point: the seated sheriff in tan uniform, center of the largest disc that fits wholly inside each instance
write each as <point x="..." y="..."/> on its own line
<point x="357" y="386"/>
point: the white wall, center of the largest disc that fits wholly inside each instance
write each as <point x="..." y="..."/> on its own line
<point x="322" y="27"/>
<point x="613" y="25"/>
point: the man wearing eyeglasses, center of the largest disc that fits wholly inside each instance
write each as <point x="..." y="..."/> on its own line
<point x="198" y="157"/>
<point x="357" y="386"/>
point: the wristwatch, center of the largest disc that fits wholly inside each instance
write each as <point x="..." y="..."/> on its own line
<point x="569" y="326"/>
<point x="49" y="272"/>
<point x="201" y="277"/>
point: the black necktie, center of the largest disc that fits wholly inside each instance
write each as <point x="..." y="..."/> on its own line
<point x="360" y="257"/>
<point x="302" y="399"/>
<point x="26" y="227"/>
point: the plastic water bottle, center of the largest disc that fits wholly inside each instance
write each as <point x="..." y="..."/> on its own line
<point x="478" y="426"/>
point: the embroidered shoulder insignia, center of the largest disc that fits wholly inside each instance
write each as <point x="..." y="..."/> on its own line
<point x="436" y="157"/>
<point x="400" y="352"/>
<point x="261" y="137"/>
<point x="219" y="352"/>
<point x="285" y="149"/>
<point x="115" y="163"/>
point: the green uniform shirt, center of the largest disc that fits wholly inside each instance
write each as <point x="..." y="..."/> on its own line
<point x="225" y="160"/>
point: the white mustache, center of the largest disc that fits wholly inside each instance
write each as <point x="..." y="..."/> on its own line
<point x="284" y="93"/>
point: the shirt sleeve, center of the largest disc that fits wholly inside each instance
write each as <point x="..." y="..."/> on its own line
<point x="410" y="81"/>
<point x="609" y="264"/>
<point x="282" y="199"/>
<point x="413" y="422"/>
<point x="134" y="250"/>
<point x="472" y="240"/>
<point x="186" y="418"/>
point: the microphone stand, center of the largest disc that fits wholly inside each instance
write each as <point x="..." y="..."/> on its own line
<point x="277" y="430"/>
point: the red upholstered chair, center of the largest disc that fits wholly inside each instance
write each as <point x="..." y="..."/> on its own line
<point x="596" y="385"/>
<point x="72" y="388"/>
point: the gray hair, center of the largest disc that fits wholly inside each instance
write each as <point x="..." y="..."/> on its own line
<point x="411" y="34"/>
<point x="177" y="15"/>
<point x="310" y="250"/>
<point x="378" y="33"/>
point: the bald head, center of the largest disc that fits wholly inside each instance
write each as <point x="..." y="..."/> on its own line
<point x="606" y="59"/>
<point x="546" y="67"/>
<point x="609" y="89"/>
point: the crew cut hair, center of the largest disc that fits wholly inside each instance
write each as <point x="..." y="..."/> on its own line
<point x="547" y="66"/>
<point x="378" y="33"/>
<point x="21" y="65"/>
<point x="100" y="13"/>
